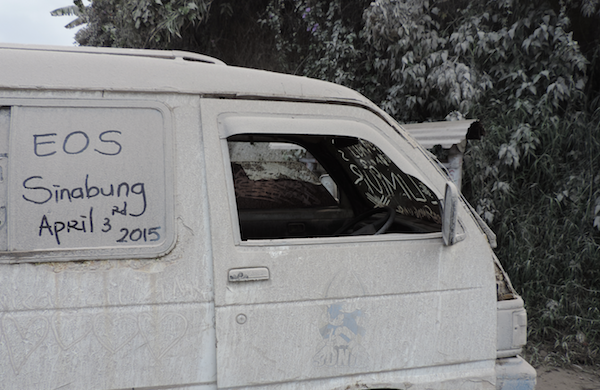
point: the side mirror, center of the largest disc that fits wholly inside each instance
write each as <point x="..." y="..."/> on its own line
<point x="449" y="215"/>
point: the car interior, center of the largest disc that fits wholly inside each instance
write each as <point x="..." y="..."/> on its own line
<point x="324" y="186"/>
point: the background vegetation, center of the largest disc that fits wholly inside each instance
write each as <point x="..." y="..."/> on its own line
<point x="528" y="69"/>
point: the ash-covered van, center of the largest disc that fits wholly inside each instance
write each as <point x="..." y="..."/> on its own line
<point x="169" y="222"/>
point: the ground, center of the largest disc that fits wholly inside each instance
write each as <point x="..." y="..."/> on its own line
<point x="574" y="378"/>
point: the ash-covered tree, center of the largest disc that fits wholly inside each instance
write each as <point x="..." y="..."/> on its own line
<point x="228" y="30"/>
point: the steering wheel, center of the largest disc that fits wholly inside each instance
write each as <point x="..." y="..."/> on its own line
<point x="370" y="228"/>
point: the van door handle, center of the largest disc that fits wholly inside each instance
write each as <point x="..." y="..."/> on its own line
<point x="248" y="274"/>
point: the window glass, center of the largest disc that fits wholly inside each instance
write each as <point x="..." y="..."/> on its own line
<point x="271" y="175"/>
<point x="382" y="183"/>
<point x="318" y="186"/>
<point x="85" y="180"/>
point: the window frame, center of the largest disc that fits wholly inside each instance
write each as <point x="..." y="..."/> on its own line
<point x="231" y="124"/>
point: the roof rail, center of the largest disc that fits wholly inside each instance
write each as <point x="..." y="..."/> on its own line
<point x="165" y="54"/>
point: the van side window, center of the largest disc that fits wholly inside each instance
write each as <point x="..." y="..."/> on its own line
<point x="324" y="186"/>
<point x="85" y="180"/>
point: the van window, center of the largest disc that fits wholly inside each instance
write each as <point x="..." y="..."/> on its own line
<point x="85" y="180"/>
<point x="324" y="186"/>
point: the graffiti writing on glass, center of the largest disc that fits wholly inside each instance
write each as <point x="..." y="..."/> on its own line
<point x="382" y="183"/>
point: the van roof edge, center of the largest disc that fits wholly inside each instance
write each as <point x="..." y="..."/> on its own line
<point x="165" y="54"/>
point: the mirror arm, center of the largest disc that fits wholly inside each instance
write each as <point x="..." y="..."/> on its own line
<point x="449" y="215"/>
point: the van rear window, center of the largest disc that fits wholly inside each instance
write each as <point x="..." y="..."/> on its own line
<point x="85" y="177"/>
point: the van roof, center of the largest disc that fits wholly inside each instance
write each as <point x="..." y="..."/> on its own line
<point x="124" y="70"/>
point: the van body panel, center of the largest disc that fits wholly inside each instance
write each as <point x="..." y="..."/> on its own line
<point x="472" y="376"/>
<point x="107" y="348"/>
<point x="403" y="335"/>
<point x="397" y="306"/>
<point x="129" y="323"/>
<point x="84" y="71"/>
<point x="213" y="306"/>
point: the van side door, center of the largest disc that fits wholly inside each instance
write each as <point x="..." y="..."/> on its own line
<point x="316" y="283"/>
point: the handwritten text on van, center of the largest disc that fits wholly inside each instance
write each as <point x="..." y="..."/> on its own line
<point x="86" y="201"/>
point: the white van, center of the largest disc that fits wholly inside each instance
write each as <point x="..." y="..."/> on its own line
<point x="170" y="222"/>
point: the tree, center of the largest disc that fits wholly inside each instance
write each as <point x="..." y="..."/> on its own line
<point x="142" y="23"/>
<point x="194" y="25"/>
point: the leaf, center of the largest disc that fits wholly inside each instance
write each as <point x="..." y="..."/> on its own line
<point x="532" y="89"/>
<point x="501" y="186"/>
<point x="76" y="22"/>
<point x="526" y="43"/>
<point x="511" y="32"/>
<point x="66" y="11"/>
